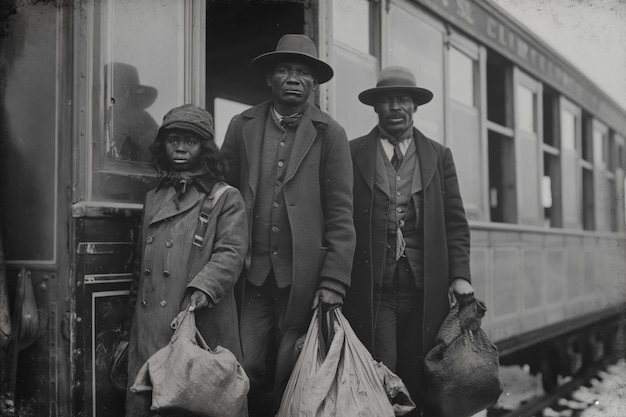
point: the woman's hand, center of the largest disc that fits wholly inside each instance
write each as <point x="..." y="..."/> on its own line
<point x="199" y="300"/>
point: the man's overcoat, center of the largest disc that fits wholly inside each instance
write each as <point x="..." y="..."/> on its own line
<point x="170" y="272"/>
<point x="318" y="196"/>
<point x="446" y="234"/>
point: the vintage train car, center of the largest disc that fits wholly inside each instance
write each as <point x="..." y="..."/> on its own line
<point x="84" y="84"/>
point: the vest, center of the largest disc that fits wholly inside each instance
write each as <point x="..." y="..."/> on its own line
<point x="271" y="234"/>
<point x="401" y="211"/>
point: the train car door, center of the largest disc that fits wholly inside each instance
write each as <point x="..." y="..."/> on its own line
<point x="237" y="32"/>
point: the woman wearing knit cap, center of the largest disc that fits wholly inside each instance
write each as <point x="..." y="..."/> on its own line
<point x="185" y="258"/>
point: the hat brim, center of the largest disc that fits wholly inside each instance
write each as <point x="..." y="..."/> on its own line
<point x="321" y="70"/>
<point x="144" y="95"/>
<point x="420" y="95"/>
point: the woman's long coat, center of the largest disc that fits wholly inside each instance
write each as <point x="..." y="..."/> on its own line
<point x="446" y="235"/>
<point x="168" y="275"/>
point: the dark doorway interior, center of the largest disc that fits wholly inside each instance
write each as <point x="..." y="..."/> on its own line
<point x="237" y="32"/>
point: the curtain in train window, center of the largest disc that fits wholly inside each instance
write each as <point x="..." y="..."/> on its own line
<point x="144" y="74"/>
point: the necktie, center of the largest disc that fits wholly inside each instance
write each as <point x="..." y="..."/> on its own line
<point x="397" y="157"/>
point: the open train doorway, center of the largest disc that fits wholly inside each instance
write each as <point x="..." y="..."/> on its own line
<point x="237" y="32"/>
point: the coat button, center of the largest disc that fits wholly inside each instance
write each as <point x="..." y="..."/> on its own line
<point x="274" y="228"/>
<point x="169" y="243"/>
<point x="149" y="240"/>
<point x="147" y="271"/>
<point x="166" y="274"/>
<point x="274" y="252"/>
<point x="144" y="303"/>
<point x="281" y="163"/>
<point x="163" y="303"/>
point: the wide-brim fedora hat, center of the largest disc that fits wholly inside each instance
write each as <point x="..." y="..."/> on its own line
<point x="295" y="47"/>
<point x="396" y="79"/>
<point x="126" y="81"/>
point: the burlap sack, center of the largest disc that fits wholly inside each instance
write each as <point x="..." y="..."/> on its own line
<point x="189" y="376"/>
<point x="462" y="370"/>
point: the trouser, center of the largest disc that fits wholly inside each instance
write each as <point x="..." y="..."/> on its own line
<point x="398" y="332"/>
<point x="268" y="348"/>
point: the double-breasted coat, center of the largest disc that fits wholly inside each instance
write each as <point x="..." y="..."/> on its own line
<point x="170" y="271"/>
<point x="446" y="234"/>
<point x="318" y="196"/>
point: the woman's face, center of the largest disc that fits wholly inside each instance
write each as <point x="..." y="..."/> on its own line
<point x="183" y="150"/>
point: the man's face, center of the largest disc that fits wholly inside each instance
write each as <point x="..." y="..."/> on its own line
<point x="183" y="150"/>
<point x="395" y="112"/>
<point x="291" y="83"/>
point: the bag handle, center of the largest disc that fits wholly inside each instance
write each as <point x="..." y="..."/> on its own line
<point x="187" y="314"/>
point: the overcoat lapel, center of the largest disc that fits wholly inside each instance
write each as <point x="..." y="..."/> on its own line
<point x="303" y="140"/>
<point x="168" y="208"/>
<point x="427" y="157"/>
<point x="366" y="158"/>
<point x="253" y="142"/>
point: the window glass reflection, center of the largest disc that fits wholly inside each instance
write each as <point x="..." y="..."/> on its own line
<point x="144" y="73"/>
<point x="132" y="128"/>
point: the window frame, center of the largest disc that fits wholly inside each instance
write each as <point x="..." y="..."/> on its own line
<point x="94" y="49"/>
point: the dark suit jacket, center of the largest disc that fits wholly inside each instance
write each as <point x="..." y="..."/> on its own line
<point x="318" y="194"/>
<point x="446" y="234"/>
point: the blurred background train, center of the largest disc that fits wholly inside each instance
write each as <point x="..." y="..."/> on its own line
<point x="84" y="84"/>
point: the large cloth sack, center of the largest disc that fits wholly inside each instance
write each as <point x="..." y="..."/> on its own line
<point x="462" y="370"/>
<point x="345" y="382"/>
<point x="191" y="377"/>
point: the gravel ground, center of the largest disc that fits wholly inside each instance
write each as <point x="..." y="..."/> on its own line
<point x="605" y="395"/>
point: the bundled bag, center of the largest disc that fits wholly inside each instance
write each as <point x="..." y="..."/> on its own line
<point x="462" y="370"/>
<point x="189" y="376"/>
<point x="345" y="382"/>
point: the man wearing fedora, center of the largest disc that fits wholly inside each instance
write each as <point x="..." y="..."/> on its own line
<point x="413" y="240"/>
<point x="291" y="162"/>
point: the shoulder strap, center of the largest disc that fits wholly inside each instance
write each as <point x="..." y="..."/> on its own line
<point x="207" y="206"/>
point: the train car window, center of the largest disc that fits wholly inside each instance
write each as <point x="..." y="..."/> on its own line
<point x="356" y="40"/>
<point x="138" y="76"/>
<point x="461" y="70"/>
<point x="550" y="117"/>
<point x="499" y="85"/>
<point x="573" y="202"/>
<point x="551" y="179"/>
<point x="352" y="22"/>
<point x="526" y="108"/>
<point x="417" y="42"/>
<point x="29" y="144"/>
<point x="463" y="122"/>
<point x="568" y="130"/>
<point x="604" y="178"/>
<point x="502" y="184"/>
<point x="139" y="95"/>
